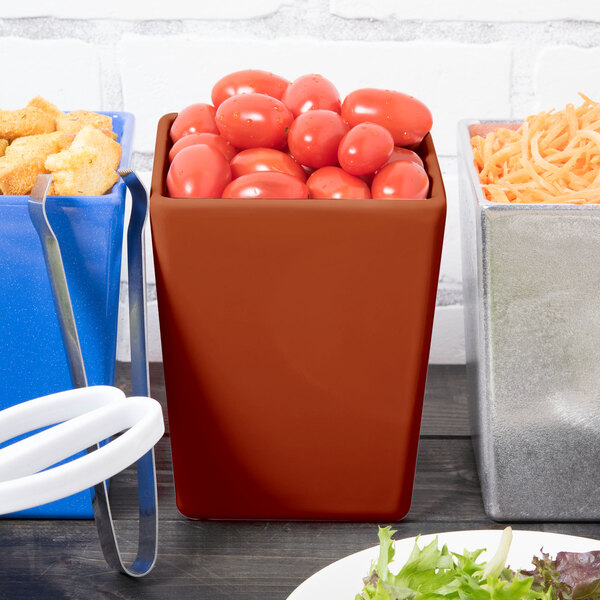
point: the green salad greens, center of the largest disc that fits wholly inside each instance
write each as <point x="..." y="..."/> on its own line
<point x="431" y="573"/>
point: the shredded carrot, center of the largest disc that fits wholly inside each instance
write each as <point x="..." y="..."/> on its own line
<point x="553" y="157"/>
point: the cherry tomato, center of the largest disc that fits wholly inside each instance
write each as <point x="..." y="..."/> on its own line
<point x="198" y="171"/>
<point x="210" y="139"/>
<point x="254" y="121"/>
<point x="266" y="184"/>
<point x="248" y="82"/>
<point x="404" y="154"/>
<point x="401" y="179"/>
<point x="196" y="118"/>
<point x="333" y="182"/>
<point x="314" y="138"/>
<point x="265" y="159"/>
<point x="407" y="118"/>
<point x="312" y="92"/>
<point x="365" y="148"/>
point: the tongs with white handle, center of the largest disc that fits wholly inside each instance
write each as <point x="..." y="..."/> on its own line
<point x="88" y="415"/>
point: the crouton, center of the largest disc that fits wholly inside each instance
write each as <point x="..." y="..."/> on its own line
<point x="88" y="167"/>
<point x="92" y="137"/>
<point x="75" y="121"/>
<point x="24" y="160"/>
<point x="46" y="106"/>
<point x="80" y="172"/>
<point x="17" y="176"/>
<point x="78" y="148"/>
<point x="39" y="145"/>
<point x="25" y="121"/>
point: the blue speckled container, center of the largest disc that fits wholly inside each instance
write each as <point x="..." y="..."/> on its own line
<point x="33" y="361"/>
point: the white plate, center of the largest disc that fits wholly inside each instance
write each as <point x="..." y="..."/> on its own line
<point x="342" y="580"/>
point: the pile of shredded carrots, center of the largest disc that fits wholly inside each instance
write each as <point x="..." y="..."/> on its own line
<point x="553" y="157"/>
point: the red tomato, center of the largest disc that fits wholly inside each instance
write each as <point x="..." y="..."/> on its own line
<point x="254" y="121"/>
<point x="312" y="92"/>
<point x="248" y="82"/>
<point x="199" y="171"/>
<point x="365" y="148"/>
<point x="407" y="118"/>
<point x="210" y="139"/>
<point x="265" y="159"/>
<point x="401" y="179"/>
<point x="404" y="154"/>
<point x="314" y="138"/>
<point x="266" y="184"/>
<point x="196" y="118"/>
<point x="333" y="182"/>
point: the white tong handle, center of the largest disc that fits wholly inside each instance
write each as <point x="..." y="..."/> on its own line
<point x="86" y="416"/>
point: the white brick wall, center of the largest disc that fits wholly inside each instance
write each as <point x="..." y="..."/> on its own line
<point x="143" y="10"/>
<point x="562" y="71"/>
<point x="418" y="68"/>
<point x="465" y="58"/>
<point x="67" y="70"/>
<point x="468" y="10"/>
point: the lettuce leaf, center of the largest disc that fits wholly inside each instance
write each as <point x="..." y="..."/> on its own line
<point x="433" y="573"/>
<point x="573" y="575"/>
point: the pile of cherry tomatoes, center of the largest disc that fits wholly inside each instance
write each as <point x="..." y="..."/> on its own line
<point x="266" y="137"/>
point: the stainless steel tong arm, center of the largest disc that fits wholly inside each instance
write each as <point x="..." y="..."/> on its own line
<point x="148" y="521"/>
<point x="57" y="277"/>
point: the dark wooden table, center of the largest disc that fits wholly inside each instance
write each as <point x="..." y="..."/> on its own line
<point x="241" y="559"/>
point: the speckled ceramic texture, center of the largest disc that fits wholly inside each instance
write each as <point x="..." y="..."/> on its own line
<point x="531" y="280"/>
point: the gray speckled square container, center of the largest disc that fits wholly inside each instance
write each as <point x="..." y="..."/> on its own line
<point x="531" y="281"/>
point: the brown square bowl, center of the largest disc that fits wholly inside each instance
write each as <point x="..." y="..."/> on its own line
<point x="295" y="336"/>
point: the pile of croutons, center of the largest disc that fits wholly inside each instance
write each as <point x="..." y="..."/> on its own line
<point x="79" y="149"/>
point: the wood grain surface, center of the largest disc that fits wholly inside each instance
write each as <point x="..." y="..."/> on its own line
<point x="249" y="559"/>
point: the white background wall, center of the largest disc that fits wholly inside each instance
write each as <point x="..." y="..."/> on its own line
<point x="465" y="58"/>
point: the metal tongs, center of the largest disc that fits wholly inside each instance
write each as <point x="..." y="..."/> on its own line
<point x="89" y="412"/>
